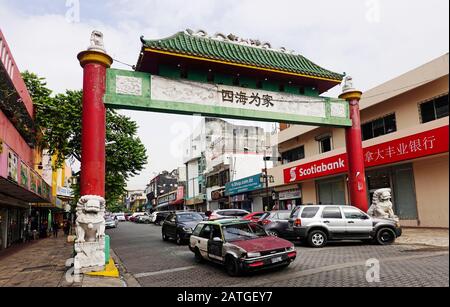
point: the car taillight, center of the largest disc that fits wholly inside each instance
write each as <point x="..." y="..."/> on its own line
<point x="292" y="254"/>
<point x="265" y="222"/>
<point x="257" y="263"/>
<point x="298" y="222"/>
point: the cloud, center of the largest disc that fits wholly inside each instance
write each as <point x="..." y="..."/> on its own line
<point x="373" y="40"/>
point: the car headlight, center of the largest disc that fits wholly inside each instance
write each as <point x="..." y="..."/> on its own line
<point x="290" y="249"/>
<point x="187" y="229"/>
<point x="253" y="255"/>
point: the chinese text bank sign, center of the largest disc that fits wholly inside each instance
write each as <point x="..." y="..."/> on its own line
<point x="411" y="147"/>
<point x="142" y="91"/>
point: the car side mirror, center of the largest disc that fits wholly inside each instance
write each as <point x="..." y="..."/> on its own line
<point x="217" y="239"/>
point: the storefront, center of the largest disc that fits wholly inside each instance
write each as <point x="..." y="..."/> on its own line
<point x="218" y="200"/>
<point x="197" y="203"/>
<point x="414" y="167"/>
<point x="245" y="193"/>
<point x="287" y="200"/>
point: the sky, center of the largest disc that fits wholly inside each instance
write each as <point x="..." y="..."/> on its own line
<point x="371" y="40"/>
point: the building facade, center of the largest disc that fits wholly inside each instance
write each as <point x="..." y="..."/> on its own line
<point x="404" y="126"/>
<point x="217" y="153"/>
<point x="21" y="186"/>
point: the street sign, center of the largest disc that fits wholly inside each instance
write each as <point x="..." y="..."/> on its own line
<point x="142" y="91"/>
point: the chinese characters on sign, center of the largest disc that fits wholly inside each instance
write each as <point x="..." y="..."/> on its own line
<point x="407" y="148"/>
<point x="416" y="145"/>
<point x="242" y="98"/>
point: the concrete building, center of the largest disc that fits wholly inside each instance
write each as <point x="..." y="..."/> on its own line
<point x="21" y="186"/>
<point x="404" y="125"/>
<point x="219" y="152"/>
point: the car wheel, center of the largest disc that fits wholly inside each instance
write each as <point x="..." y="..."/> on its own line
<point x="273" y="233"/>
<point x="232" y="266"/>
<point x="317" y="238"/>
<point x="385" y="236"/>
<point x="164" y="237"/>
<point x="198" y="256"/>
<point x="178" y="239"/>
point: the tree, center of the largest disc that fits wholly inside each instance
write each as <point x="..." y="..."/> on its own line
<point x="59" y="118"/>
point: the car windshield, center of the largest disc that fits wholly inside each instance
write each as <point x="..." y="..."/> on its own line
<point x="108" y="219"/>
<point x="188" y="217"/>
<point x="243" y="231"/>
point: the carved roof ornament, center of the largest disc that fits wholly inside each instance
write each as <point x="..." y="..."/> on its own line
<point x="348" y="84"/>
<point x="97" y="42"/>
<point x="232" y="38"/>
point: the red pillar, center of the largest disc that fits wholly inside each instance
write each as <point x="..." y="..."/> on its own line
<point x="353" y="139"/>
<point x="93" y="130"/>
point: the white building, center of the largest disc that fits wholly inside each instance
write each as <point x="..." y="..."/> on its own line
<point x="219" y="152"/>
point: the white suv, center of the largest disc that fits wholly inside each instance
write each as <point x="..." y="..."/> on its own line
<point x="318" y="224"/>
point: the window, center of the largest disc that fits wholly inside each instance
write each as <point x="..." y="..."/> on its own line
<point x="216" y="233"/>
<point x="284" y="215"/>
<point x="325" y="144"/>
<point x="331" y="213"/>
<point x="309" y="212"/>
<point x="198" y="229"/>
<point x="206" y="232"/>
<point x="293" y="154"/>
<point x="434" y="109"/>
<point x="378" y="127"/>
<point x="352" y="213"/>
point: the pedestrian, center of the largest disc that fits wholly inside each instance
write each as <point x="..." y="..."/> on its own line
<point x="55" y="228"/>
<point x="66" y="227"/>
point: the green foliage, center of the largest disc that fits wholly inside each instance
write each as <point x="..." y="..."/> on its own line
<point x="59" y="117"/>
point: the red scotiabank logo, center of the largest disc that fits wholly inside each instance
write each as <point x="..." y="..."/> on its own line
<point x="414" y="146"/>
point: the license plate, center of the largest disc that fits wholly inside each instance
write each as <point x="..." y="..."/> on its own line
<point x="276" y="259"/>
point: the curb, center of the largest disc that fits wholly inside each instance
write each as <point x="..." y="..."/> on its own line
<point x="128" y="278"/>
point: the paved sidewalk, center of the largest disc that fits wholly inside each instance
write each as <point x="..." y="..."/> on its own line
<point x="42" y="263"/>
<point x="424" y="236"/>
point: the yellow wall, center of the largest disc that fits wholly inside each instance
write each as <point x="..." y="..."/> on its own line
<point x="309" y="192"/>
<point x="432" y="193"/>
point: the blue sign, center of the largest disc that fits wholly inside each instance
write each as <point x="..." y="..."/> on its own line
<point x="244" y="185"/>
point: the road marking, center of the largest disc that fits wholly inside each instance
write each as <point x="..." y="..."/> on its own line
<point x="185" y="268"/>
<point x="331" y="268"/>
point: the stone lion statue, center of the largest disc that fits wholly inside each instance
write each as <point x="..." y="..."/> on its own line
<point x="90" y="218"/>
<point x="382" y="206"/>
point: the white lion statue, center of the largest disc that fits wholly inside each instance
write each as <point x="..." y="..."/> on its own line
<point x="90" y="218"/>
<point x="382" y="206"/>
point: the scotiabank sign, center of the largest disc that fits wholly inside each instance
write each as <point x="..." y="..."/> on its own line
<point x="423" y="144"/>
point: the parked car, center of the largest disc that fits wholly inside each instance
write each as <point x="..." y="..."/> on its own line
<point x="227" y="213"/>
<point x="111" y="221"/>
<point x="153" y="216"/>
<point x="241" y="246"/>
<point x="134" y="216"/>
<point x="254" y="216"/>
<point x="161" y="216"/>
<point x="179" y="226"/>
<point x="322" y="223"/>
<point x="127" y="216"/>
<point x="276" y="223"/>
<point x="120" y="217"/>
<point x="143" y="219"/>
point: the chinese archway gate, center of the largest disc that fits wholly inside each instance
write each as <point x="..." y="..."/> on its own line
<point x="223" y="76"/>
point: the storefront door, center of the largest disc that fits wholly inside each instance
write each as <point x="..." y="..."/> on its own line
<point x="405" y="204"/>
<point x="3" y="225"/>
<point x="400" y="179"/>
<point x="331" y="191"/>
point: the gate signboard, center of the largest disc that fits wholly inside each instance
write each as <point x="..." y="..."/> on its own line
<point x="142" y="91"/>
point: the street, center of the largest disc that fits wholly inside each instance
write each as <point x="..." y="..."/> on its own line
<point x="156" y="263"/>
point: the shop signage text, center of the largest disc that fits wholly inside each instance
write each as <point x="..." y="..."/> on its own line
<point x="244" y="185"/>
<point x="142" y="91"/>
<point x="423" y="144"/>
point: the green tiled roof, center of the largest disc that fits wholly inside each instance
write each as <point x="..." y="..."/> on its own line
<point x="213" y="49"/>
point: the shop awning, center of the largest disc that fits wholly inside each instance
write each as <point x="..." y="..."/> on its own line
<point x="14" y="190"/>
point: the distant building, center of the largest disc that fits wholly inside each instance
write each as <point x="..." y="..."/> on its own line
<point x="159" y="188"/>
<point x="219" y="152"/>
